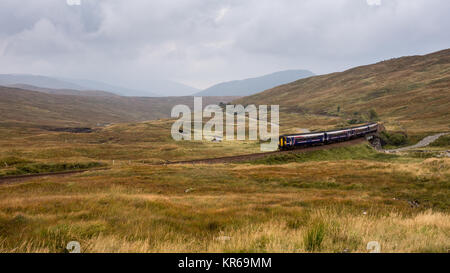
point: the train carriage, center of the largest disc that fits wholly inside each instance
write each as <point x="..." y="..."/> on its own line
<point x="301" y="140"/>
<point x="292" y="141"/>
<point x="335" y="136"/>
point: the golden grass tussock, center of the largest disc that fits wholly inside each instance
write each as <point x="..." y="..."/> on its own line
<point x="320" y="231"/>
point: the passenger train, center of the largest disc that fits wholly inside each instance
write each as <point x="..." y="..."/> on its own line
<point x="287" y="142"/>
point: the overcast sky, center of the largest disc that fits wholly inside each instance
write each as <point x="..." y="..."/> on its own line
<point x="203" y="42"/>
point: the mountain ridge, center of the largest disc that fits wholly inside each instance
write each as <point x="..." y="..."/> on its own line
<point x="254" y="85"/>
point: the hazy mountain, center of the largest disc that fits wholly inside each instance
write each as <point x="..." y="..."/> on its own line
<point x="254" y="85"/>
<point x="164" y="88"/>
<point x="171" y="88"/>
<point x="97" y="85"/>
<point x="38" y="81"/>
<point x="71" y="92"/>
<point x="156" y="88"/>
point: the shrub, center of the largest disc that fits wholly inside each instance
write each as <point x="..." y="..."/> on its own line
<point x="49" y="168"/>
<point x="443" y="141"/>
<point x="353" y="121"/>
<point x="12" y="160"/>
<point x="314" y="236"/>
<point x="373" y="116"/>
<point x="395" y="138"/>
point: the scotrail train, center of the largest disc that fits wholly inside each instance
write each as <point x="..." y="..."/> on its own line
<point x="287" y="142"/>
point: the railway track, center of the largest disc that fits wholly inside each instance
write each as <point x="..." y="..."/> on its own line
<point x="225" y="159"/>
<point x="19" y="178"/>
<point x="239" y="158"/>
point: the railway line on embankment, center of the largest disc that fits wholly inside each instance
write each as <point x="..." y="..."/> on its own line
<point x="240" y="158"/>
<point x="226" y="159"/>
<point x="216" y="160"/>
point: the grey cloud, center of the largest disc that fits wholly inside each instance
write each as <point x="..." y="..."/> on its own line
<point x="202" y="42"/>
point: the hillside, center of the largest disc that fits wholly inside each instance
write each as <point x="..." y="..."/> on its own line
<point x="408" y="93"/>
<point x="25" y="106"/>
<point x="254" y="85"/>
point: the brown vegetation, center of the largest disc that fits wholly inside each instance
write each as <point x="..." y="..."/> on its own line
<point x="408" y="93"/>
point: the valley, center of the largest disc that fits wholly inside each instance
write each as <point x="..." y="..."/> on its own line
<point x="129" y="199"/>
<point x="348" y="195"/>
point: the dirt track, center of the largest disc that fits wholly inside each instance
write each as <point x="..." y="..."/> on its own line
<point x="423" y="143"/>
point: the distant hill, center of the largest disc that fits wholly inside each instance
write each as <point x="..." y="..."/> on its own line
<point x="97" y="85"/>
<point x="156" y="88"/>
<point x="38" y="81"/>
<point x="254" y="85"/>
<point x="32" y="107"/>
<point x="61" y="83"/>
<point x="170" y="88"/>
<point x="410" y="92"/>
<point x="90" y="93"/>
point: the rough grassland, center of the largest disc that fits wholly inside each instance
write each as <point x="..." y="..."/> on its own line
<point x="325" y="201"/>
<point x="234" y="208"/>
